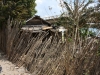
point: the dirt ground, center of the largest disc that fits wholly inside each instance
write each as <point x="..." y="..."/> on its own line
<point x="10" y="69"/>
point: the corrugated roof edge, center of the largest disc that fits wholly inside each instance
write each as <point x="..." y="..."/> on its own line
<point x="38" y="17"/>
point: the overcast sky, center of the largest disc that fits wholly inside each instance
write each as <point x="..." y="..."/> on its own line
<point x="48" y="7"/>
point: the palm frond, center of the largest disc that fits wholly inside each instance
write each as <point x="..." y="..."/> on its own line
<point x="68" y="8"/>
<point x="89" y="2"/>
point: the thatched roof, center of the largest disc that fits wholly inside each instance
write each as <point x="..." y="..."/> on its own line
<point x="37" y="20"/>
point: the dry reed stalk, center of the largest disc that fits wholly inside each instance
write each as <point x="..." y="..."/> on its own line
<point x="45" y="54"/>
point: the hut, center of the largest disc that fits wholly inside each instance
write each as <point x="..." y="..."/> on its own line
<point x="36" y="24"/>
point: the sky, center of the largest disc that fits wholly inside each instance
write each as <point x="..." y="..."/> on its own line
<point x="47" y="8"/>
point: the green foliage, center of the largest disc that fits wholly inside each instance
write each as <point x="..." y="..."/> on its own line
<point x="84" y="32"/>
<point x="16" y="9"/>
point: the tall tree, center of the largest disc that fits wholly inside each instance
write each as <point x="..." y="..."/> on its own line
<point x="78" y="15"/>
<point x="16" y="9"/>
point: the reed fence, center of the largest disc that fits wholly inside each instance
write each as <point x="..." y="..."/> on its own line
<point x="45" y="54"/>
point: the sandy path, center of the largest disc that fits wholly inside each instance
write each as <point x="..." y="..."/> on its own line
<point x="10" y="69"/>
